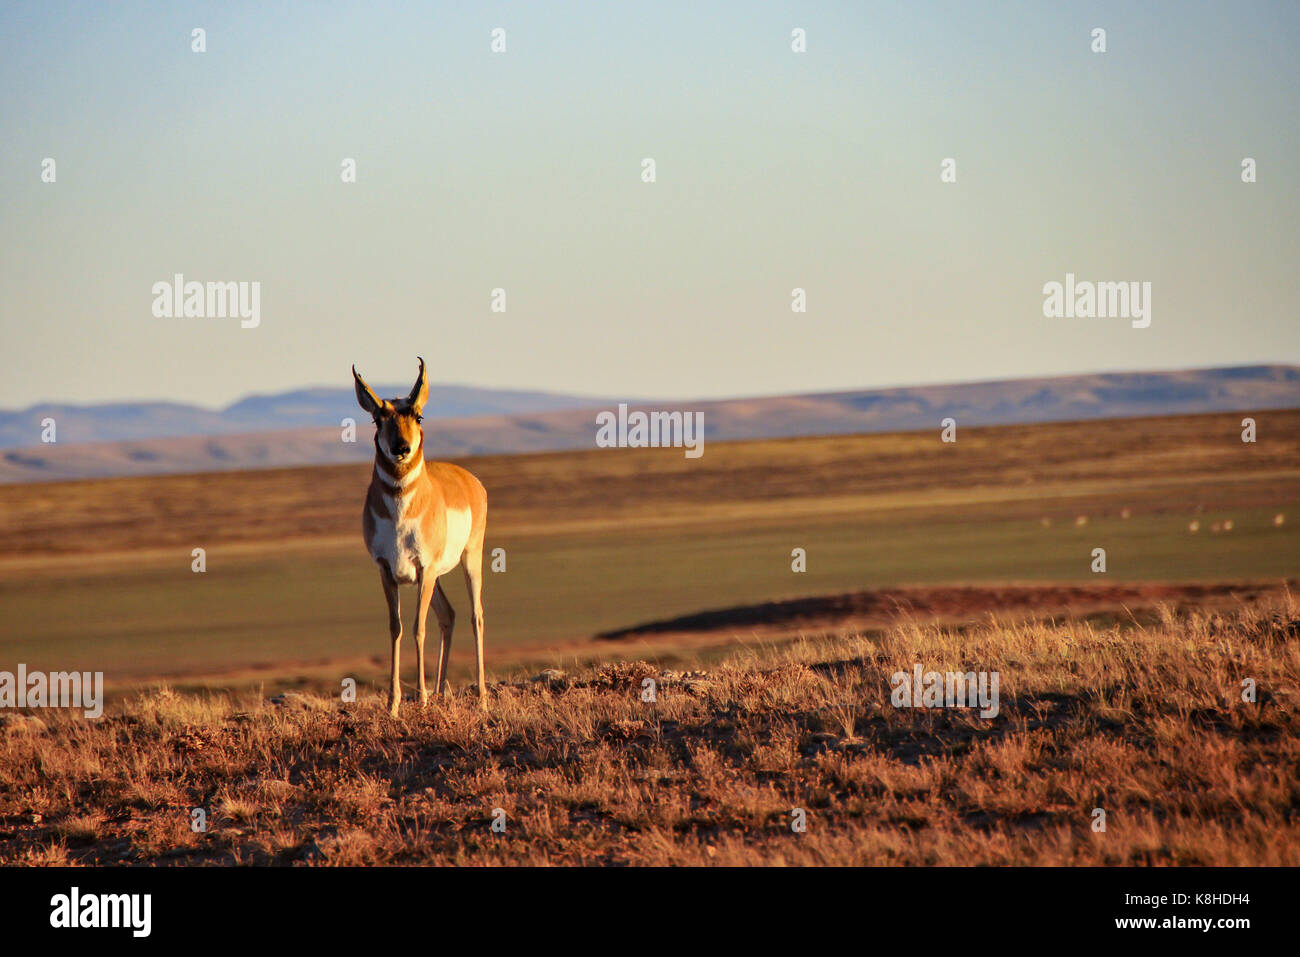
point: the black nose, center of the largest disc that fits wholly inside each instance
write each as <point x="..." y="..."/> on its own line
<point x="400" y="448"/>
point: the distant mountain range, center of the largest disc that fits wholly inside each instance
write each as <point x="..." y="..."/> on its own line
<point x="302" y="427"/>
<point x="302" y="408"/>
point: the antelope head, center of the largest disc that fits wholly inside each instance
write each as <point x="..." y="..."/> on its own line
<point x="398" y="435"/>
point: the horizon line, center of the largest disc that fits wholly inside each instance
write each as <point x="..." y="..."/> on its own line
<point x="674" y="401"/>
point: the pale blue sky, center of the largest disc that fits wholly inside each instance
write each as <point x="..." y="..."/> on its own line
<point x="522" y="170"/>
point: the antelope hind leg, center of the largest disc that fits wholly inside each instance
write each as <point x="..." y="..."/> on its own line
<point x="446" y="622"/>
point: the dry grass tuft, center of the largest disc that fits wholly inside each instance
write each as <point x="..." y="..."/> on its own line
<point x="1145" y="722"/>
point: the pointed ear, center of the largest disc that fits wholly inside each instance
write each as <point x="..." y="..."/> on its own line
<point x="366" y="396"/>
<point x="420" y="392"/>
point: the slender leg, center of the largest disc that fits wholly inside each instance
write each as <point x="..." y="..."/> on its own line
<point x="446" y="621"/>
<point x="474" y="582"/>
<point x="394" y="632"/>
<point x="425" y="584"/>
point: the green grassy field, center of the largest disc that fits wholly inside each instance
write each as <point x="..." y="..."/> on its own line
<point x="601" y="540"/>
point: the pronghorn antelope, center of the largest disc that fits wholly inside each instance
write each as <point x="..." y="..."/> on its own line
<point x="421" y="518"/>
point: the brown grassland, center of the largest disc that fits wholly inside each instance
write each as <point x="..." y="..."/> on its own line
<point x="1120" y="691"/>
<point x="96" y="575"/>
<point x="1145" y="721"/>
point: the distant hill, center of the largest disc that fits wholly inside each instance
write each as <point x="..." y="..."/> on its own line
<point x="481" y="421"/>
<point x="302" y="408"/>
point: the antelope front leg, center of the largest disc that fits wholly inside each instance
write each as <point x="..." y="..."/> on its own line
<point x="394" y="632"/>
<point x="426" y="584"/>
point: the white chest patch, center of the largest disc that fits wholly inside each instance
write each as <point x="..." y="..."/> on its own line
<point x="400" y="541"/>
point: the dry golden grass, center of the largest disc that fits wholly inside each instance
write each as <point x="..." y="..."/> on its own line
<point x="1146" y="722"/>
